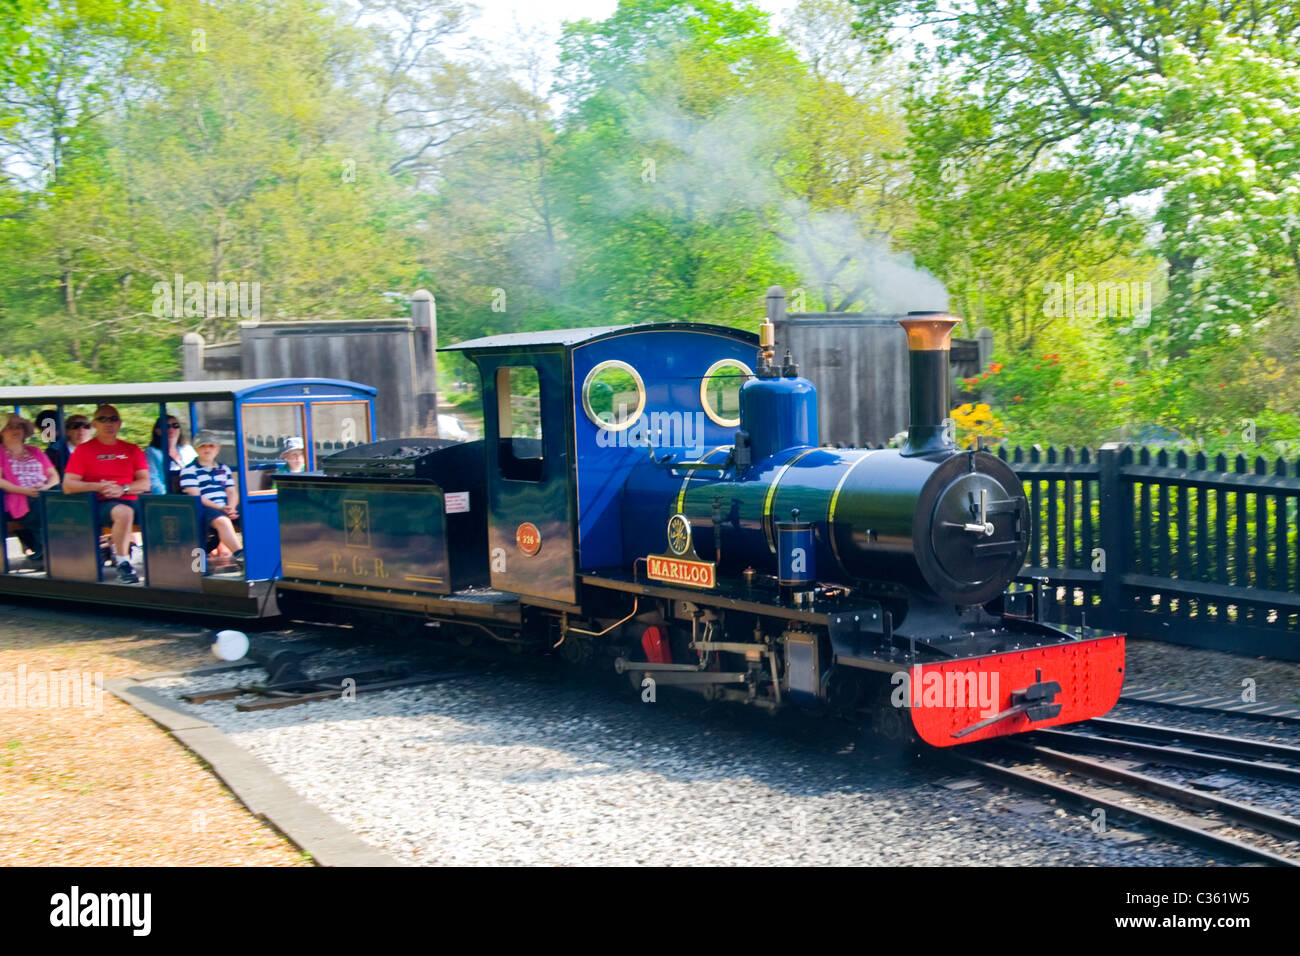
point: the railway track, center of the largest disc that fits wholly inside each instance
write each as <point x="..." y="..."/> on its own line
<point x="1244" y="747"/>
<point x="1185" y="828"/>
<point x="1177" y="747"/>
<point x="1192" y="702"/>
<point x="1179" y="752"/>
<point x="1188" y="814"/>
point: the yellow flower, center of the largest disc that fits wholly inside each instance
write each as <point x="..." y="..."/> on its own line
<point x="977" y="421"/>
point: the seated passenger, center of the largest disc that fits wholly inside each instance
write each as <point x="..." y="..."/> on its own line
<point x="215" y="488"/>
<point x="117" y="472"/>
<point x="26" y="473"/>
<point x="295" y="458"/>
<point x="77" y="431"/>
<point x="167" y="454"/>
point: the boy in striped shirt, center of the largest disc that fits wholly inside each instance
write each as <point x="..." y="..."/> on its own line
<point x="215" y="487"/>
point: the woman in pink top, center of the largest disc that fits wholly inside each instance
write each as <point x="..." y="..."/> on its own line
<point x="25" y="472"/>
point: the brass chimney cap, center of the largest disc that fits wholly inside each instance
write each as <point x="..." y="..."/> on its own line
<point x="928" y="331"/>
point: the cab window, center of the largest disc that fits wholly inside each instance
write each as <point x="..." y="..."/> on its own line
<point x="519" y="423"/>
<point x="338" y="425"/>
<point x="266" y="426"/>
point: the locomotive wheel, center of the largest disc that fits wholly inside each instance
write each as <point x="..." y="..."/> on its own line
<point x="894" y="726"/>
<point x="887" y="722"/>
<point x="845" y="692"/>
<point x="890" y="724"/>
<point x="576" y="650"/>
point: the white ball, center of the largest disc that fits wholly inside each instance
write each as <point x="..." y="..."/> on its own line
<point x="230" y="645"/>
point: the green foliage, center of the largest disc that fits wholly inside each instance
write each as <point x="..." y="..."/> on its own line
<point x="28" y="370"/>
<point x="1075" y="140"/>
<point x="226" y="142"/>
<point x="687" y="157"/>
<point x="1068" y="395"/>
<point x="1217" y="135"/>
<point x="661" y="159"/>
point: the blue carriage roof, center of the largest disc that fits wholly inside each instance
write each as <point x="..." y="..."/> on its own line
<point x="568" y="338"/>
<point x="164" y="391"/>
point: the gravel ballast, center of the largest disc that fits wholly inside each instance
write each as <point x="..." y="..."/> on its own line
<point x="1212" y="673"/>
<point x="519" y="768"/>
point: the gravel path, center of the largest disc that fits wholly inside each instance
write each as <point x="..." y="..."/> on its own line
<point x="534" y="767"/>
<point x="103" y="785"/>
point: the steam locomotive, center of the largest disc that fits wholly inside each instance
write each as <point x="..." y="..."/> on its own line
<point x="647" y="499"/>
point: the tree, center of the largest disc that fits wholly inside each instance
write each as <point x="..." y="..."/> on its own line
<point x="845" y="167"/>
<point x="1216" y="134"/>
<point x="666" y="161"/>
<point x="1022" y="89"/>
<point x="496" y="246"/>
<point x="231" y="145"/>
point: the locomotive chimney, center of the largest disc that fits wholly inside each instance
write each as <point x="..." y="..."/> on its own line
<point x="928" y="335"/>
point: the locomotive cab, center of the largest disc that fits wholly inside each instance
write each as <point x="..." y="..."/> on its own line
<point x="567" y="415"/>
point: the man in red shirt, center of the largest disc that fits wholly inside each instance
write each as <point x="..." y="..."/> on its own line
<point x="116" y="471"/>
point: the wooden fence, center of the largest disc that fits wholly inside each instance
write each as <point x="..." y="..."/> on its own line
<point x="1173" y="547"/>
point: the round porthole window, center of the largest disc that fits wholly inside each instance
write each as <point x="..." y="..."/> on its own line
<point x="613" y="395"/>
<point x="720" y="391"/>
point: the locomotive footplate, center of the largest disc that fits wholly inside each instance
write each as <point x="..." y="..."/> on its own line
<point x="729" y="596"/>
<point x="939" y="632"/>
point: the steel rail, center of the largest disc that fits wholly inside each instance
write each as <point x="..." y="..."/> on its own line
<point x="1086" y="799"/>
<point x="1280" y="825"/>
<point x="1219" y="708"/>
<point x="1173" y="756"/>
<point x="1216" y="743"/>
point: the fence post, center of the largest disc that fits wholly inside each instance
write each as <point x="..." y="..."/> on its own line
<point x="192" y="357"/>
<point x="984" y="343"/>
<point x="1115" y="516"/>
<point x="424" y="388"/>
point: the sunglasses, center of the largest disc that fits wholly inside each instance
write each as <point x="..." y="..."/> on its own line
<point x="171" y="425"/>
<point x="72" y="425"/>
<point x="105" y="418"/>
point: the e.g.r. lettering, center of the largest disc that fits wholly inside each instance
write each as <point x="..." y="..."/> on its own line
<point x="358" y="566"/>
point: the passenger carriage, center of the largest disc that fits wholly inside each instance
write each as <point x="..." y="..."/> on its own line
<point x="251" y="418"/>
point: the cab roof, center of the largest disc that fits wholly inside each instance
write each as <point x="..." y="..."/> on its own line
<point x="568" y="338"/>
<point x="213" y="390"/>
